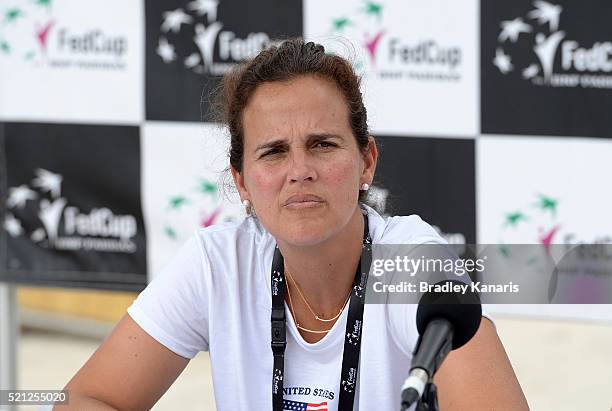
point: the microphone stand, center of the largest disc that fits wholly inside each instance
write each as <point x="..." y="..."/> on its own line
<point x="429" y="400"/>
<point x="442" y="328"/>
<point x="439" y="339"/>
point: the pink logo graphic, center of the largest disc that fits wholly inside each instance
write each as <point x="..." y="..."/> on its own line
<point x="546" y="238"/>
<point x="210" y="219"/>
<point x="42" y="35"/>
<point x="371" y="45"/>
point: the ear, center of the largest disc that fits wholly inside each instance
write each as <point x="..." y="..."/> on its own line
<point x="239" y="182"/>
<point x="370" y="158"/>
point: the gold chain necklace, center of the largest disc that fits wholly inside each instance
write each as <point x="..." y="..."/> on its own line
<point x="297" y="324"/>
<point x="310" y="308"/>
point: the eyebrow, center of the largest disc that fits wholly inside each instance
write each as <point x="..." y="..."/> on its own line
<point x="309" y="138"/>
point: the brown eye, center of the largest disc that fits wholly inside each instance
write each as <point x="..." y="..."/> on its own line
<point x="325" y="144"/>
<point x="271" y="152"/>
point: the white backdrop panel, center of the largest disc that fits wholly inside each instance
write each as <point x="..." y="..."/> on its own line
<point x="72" y="61"/>
<point x="530" y="189"/>
<point x="419" y="60"/>
<point x="182" y="185"/>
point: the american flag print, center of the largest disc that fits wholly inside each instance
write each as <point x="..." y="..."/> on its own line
<point x="304" y="406"/>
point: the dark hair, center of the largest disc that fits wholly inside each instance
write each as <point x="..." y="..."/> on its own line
<point x="290" y="59"/>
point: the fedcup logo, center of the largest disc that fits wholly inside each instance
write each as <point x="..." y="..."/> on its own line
<point x="32" y="18"/>
<point x="388" y="53"/>
<point x="52" y="222"/>
<point x="368" y="22"/>
<point x="348" y="384"/>
<point x="562" y="266"/>
<point x="540" y="216"/>
<point x="355" y="334"/>
<point x="277" y="278"/>
<point x="540" y="222"/>
<point x="32" y="32"/>
<point x="203" y="201"/>
<point x="581" y="65"/>
<point x="278" y="378"/>
<point x="214" y="50"/>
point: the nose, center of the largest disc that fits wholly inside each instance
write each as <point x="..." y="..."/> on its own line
<point x="301" y="168"/>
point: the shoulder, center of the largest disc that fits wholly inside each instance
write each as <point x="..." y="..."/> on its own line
<point x="409" y="229"/>
<point x="227" y="237"/>
<point x="233" y="247"/>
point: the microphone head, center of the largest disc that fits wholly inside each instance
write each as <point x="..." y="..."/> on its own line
<point x="462" y="310"/>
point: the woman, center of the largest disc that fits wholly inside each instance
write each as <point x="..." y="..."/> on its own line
<point x="301" y="158"/>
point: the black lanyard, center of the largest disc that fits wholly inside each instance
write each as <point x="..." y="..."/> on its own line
<point x="354" y="327"/>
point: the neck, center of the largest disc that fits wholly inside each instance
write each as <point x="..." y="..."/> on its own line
<point x="325" y="272"/>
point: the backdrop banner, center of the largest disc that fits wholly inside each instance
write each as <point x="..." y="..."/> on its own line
<point x="544" y="71"/>
<point x="72" y="61"/>
<point x="432" y="177"/>
<point x="72" y="212"/>
<point x="184" y="186"/>
<point x="191" y="44"/>
<point x="492" y="119"/>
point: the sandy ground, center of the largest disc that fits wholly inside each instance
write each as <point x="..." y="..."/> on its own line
<point x="560" y="365"/>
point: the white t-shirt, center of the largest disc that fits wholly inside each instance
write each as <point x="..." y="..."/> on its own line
<point x="215" y="296"/>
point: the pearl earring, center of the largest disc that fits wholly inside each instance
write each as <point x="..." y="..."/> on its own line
<point x="247" y="207"/>
<point x="365" y="187"/>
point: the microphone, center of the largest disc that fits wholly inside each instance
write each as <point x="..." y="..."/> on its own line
<point x="445" y="322"/>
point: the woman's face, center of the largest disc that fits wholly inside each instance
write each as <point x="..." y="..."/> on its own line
<point x="302" y="168"/>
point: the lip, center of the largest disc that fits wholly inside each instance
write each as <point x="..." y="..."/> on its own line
<point x="303" y="201"/>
